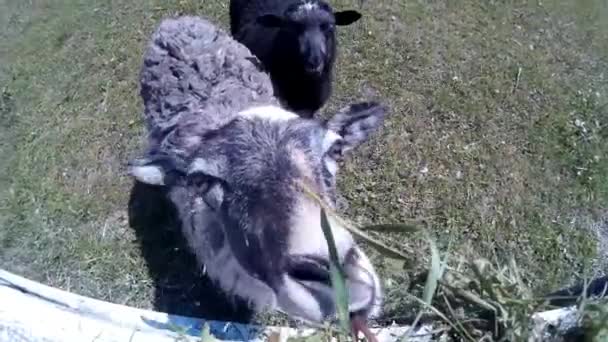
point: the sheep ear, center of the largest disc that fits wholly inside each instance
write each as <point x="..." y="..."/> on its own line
<point x="344" y="18"/>
<point x="355" y="123"/>
<point x="270" y="20"/>
<point x="156" y="169"/>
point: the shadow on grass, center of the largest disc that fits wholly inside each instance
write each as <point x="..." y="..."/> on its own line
<point x="180" y="287"/>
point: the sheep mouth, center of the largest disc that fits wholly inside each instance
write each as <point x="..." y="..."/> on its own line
<point x="309" y="268"/>
<point x="314" y="272"/>
<point x="315" y="70"/>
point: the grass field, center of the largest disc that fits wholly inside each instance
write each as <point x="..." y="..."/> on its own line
<point x="497" y="141"/>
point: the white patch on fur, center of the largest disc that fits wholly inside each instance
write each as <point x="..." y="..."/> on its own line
<point x="190" y="141"/>
<point x="271" y="113"/>
<point x="148" y="174"/>
<point x="296" y="300"/>
<point x="309" y="6"/>
<point x="307" y="236"/>
<point x="363" y="280"/>
<point x="198" y="165"/>
<point x="329" y="139"/>
<point x="206" y="167"/>
<point x="331" y="165"/>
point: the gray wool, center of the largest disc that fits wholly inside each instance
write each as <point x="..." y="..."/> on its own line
<point x="195" y="78"/>
<point x="229" y="156"/>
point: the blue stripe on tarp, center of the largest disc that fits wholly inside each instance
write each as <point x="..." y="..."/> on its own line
<point x="221" y="330"/>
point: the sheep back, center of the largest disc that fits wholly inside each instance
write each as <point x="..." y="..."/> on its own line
<point x="245" y="12"/>
<point x="195" y="77"/>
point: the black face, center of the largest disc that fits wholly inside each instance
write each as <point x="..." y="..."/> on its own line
<point x="315" y="40"/>
<point x="313" y="23"/>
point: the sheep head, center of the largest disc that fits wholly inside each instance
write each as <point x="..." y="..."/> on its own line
<point x="311" y="24"/>
<point x="245" y="173"/>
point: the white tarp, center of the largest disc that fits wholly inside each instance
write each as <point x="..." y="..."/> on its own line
<point x="30" y="311"/>
<point x="33" y="312"/>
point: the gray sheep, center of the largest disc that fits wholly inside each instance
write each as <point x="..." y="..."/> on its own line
<point x="230" y="158"/>
<point x="296" y="42"/>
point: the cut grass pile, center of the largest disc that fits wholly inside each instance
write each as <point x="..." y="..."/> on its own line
<point x="496" y="142"/>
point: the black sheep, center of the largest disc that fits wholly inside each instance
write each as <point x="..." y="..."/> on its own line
<point x="296" y="42"/>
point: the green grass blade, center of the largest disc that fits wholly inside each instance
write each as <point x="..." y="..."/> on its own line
<point x="337" y="275"/>
<point x="464" y="334"/>
<point x="206" y="335"/>
<point x="434" y="275"/>
<point x="432" y="281"/>
<point x="392" y="228"/>
<point x="379" y="246"/>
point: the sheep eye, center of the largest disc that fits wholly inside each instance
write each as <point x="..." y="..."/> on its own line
<point x="297" y="26"/>
<point x="201" y="181"/>
<point x="335" y="151"/>
<point x="327" y="27"/>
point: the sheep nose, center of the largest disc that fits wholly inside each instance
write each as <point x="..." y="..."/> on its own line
<point x="315" y="65"/>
